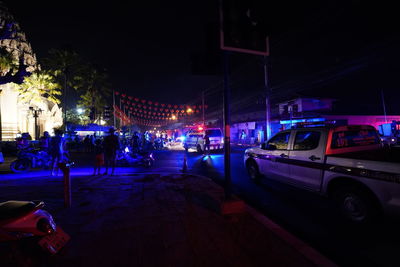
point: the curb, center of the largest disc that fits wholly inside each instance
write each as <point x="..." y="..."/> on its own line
<point x="308" y="252"/>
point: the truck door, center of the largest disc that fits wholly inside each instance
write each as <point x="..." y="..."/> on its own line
<point x="307" y="158"/>
<point x="275" y="164"/>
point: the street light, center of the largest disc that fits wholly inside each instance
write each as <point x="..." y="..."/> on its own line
<point x="35" y="114"/>
<point x="79" y="110"/>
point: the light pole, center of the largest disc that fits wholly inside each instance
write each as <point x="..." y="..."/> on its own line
<point x="35" y="114"/>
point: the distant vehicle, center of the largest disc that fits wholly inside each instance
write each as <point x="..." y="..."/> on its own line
<point x="194" y="138"/>
<point x="390" y="133"/>
<point x="345" y="163"/>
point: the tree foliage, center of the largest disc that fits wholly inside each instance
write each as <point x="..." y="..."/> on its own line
<point x="94" y="89"/>
<point x="7" y="62"/>
<point x="40" y="85"/>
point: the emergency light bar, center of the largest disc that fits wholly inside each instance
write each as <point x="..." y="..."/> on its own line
<point x="302" y="120"/>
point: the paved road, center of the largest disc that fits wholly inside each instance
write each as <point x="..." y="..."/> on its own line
<point x="305" y="215"/>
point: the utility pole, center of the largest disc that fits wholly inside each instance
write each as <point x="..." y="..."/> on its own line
<point x="65" y="99"/>
<point x="202" y="103"/>
<point x="267" y="101"/>
<point x="36" y="113"/>
<point x="384" y="105"/>
<point x="227" y="127"/>
<point x="114" y="109"/>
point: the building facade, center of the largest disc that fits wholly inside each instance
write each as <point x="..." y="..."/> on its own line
<point x="16" y="117"/>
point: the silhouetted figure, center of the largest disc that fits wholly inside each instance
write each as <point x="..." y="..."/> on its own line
<point x="111" y="145"/>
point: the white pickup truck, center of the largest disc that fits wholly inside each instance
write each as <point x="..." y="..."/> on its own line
<point x="195" y="139"/>
<point x="345" y="163"/>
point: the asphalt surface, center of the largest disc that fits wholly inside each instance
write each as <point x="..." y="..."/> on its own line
<point x="307" y="216"/>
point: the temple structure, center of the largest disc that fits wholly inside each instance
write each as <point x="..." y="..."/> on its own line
<point x="17" y="117"/>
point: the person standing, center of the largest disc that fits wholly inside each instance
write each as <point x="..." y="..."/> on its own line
<point x="206" y="144"/>
<point x="57" y="149"/>
<point x="135" y="142"/>
<point x="44" y="141"/>
<point x="111" y="145"/>
<point x="99" y="156"/>
<point x="86" y="143"/>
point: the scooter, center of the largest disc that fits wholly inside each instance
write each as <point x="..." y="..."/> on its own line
<point x="127" y="158"/>
<point x="30" y="158"/>
<point x="23" y="220"/>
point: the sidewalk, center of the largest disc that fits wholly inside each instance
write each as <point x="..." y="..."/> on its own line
<point x="157" y="219"/>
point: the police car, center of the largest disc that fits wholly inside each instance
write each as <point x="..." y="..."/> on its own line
<point x="194" y="139"/>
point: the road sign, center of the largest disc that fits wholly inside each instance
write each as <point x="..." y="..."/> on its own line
<point x="241" y="30"/>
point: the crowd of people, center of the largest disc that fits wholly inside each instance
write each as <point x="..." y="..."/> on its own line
<point x="54" y="146"/>
<point x="103" y="148"/>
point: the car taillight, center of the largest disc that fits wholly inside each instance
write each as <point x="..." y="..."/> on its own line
<point x="45" y="226"/>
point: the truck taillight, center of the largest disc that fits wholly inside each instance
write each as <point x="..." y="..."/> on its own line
<point x="46" y="226"/>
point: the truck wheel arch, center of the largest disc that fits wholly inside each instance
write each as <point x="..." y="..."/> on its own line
<point x="342" y="183"/>
<point x="253" y="162"/>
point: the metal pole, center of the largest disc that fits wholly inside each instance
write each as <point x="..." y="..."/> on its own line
<point x="35" y="115"/>
<point x="67" y="185"/>
<point x="227" y="121"/>
<point x="120" y="108"/>
<point x="267" y="101"/>
<point x="384" y="106"/>
<point x="202" y="102"/>
<point x="114" y="108"/>
<point x="65" y="100"/>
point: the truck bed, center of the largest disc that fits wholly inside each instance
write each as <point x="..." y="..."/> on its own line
<point x="388" y="155"/>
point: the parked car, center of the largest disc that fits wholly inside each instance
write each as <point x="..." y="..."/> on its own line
<point x="346" y="163"/>
<point x="194" y="139"/>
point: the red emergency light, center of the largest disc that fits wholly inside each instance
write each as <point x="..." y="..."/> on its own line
<point x="200" y="128"/>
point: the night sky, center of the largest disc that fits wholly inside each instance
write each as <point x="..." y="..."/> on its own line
<point x="347" y="50"/>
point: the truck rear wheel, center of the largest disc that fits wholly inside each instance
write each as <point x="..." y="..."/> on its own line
<point x="356" y="205"/>
<point x="253" y="171"/>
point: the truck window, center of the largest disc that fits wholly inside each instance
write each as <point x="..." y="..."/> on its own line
<point x="306" y="140"/>
<point x="280" y="140"/>
<point x="214" y="133"/>
<point x="354" y="138"/>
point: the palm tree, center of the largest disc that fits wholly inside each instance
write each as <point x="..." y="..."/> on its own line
<point x="40" y="85"/>
<point x="65" y="64"/>
<point x="94" y="88"/>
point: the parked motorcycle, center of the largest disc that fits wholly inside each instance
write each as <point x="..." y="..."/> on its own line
<point x="158" y="144"/>
<point x="125" y="157"/>
<point x="23" y="220"/>
<point x="30" y="158"/>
